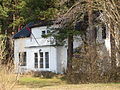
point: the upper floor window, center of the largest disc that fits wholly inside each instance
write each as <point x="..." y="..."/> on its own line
<point x="48" y="31"/>
<point x="22" y="58"/>
<point x="43" y="32"/>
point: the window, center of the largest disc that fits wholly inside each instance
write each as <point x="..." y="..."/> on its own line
<point x="95" y="32"/>
<point x="46" y="60"/>
<point x="43" y="32"/>
<point x="48" y="31"/>
<point x="104" y="32"/>
<point x="41" y="59"/>
<point x="22" y="58"/>
<point x="36" y="60"/>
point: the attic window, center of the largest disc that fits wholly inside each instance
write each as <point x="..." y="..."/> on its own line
<point x="48" y="31"/>
<point x="43" y="32"/>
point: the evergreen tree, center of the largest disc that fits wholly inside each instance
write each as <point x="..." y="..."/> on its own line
<point x="10" y="15"/>
<point x="20" y="12"/>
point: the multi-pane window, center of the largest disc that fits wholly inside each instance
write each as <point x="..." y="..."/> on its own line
<point x="41" y="59"/>
<point x="36" y="59"/>
<point x="22" y="58"/>
<point x="46" y="60"/>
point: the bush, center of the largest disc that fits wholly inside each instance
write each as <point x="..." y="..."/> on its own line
<point x="44" y="74"/>
<point x="118" y="74"/>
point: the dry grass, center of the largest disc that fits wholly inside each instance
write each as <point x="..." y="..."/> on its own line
<point x="31" y="83"/>
<point x="75" y="87"/>
<point x="7" y="78"/>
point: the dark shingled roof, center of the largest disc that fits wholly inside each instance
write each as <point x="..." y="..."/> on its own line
<point x="22" y="33"/>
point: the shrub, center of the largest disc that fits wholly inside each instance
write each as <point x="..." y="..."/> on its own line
<point x="44" y="74"/>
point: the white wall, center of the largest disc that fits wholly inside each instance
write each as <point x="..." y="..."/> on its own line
<point x="30" y="46"/>
<point x="61" y="58"/>
<point x="36" y="37"/>
<point x="77" y="41"/>
<point x="52" y="58"/>
<point x="20" y="47"/>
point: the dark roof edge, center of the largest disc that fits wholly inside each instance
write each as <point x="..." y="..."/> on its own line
<point x="20" y="37"/>
<point x="43" y="23"/>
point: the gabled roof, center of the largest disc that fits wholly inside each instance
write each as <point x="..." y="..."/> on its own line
<point x="26" y="31"/>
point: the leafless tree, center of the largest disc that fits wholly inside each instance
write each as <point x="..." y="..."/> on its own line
<point x="8" y="78"/>
<point x="110" y="10"/>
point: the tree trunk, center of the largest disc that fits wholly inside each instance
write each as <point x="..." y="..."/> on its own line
<point x="113" y="52"/>
<point x="91" y="40"/>
<point x="113" y="58"/>
<point x="70" y="52"/>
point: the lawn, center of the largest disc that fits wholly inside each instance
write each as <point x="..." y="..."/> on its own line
<point x="32" y="83"/>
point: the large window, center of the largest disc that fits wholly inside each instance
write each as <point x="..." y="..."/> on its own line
<point x="22" y="58"/>
<point x="36" y="59"/>
<point x="46" y="59"/>
<point x="41" y="60"/>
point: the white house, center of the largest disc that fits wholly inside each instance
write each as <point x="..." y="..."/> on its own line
<point x="33" y="52"/>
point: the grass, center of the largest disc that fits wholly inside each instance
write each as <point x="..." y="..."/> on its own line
<point x="32" y="83"/>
